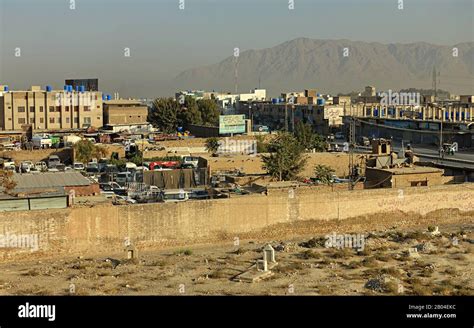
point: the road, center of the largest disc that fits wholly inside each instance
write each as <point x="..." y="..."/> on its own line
<point x="461" y="159"/>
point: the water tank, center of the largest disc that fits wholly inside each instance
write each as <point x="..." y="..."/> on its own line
<point x="275" y="100"/>
<point x="49" y="88"/>
<point x="82" y="88"/>
<point x="282" y="100"/>
<point x="77" y="88"/>
<point x="69" y="88"/>
<point x="66" y="88"/>
<point x="376" y="112"/>
<point x="320" y="102"/>
<point x="5" y="88"/>
<point x="109" y="97"/>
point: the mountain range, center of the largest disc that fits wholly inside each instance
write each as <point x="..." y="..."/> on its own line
<point x="338" y="66"/>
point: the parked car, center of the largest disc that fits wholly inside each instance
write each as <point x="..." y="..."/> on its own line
<point x="26" y="166"/>
<point x="174" y="195"/>
<point x="113" y="186"/>
<point x="199" y="194"/>
<point x="124" y="177"/>
<point x="194" y="161"/>
<point x="53" y="161"/>
<point x="78" y="166"/>
<point x="41" y="166"/>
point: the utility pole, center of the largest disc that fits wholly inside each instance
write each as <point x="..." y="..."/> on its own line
<point x="441" y="149"/>
<point x="293" y="119"/>
<point x="352" y="144"/>
<point x="286" y="115"/>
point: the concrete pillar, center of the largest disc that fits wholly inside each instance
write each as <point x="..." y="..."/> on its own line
<point x="470" y="114"/>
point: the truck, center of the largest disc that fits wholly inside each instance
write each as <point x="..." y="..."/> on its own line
<point x="41" y="141"/>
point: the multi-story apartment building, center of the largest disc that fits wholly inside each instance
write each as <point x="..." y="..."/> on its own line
<point x="50" y="109"/>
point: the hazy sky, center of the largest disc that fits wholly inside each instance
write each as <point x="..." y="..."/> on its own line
<point x="58" y="43"/>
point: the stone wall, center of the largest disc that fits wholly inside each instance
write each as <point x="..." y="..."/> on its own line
<point x="102" y="229"/>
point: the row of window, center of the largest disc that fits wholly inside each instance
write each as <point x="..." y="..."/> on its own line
<point x="87" y="120"/>
<point x="52" y="109"/>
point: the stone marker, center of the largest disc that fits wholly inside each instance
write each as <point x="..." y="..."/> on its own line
<point x="131" y="252"/>
<point x="269" y="254"/>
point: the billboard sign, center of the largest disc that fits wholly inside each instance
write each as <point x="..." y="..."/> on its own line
<point x="231" y="124"/>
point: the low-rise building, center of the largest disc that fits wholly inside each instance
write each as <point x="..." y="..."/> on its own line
<point x="125" y="114"/>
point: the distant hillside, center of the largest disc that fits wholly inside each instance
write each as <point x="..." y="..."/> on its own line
<point x="320" y="64"/>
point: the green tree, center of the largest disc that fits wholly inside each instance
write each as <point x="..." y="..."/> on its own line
<point x="212" y="145"/>
<point x="163" y="114"/>
<point x="307" y="138"/>
<point x="189" y="112"/>
<point x="286" y="159"/>
<point x="85" y="151"/>
<point x="323" y="174"/>
<point x="262" y="146"/>
<point x="209" y="112"/>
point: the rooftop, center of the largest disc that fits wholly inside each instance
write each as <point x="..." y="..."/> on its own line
<point x="49" y="180"/>
<point x="411" y="170"/>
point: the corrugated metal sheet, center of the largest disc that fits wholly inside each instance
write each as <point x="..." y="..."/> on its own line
<point x="49" y="180"/>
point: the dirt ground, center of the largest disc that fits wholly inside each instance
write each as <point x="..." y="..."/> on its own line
<point x="442" y="264"/>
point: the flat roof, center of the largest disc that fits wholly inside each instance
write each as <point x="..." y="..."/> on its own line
<point x="410" y="170"/>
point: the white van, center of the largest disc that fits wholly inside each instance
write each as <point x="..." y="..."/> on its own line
<point x="174" y="195"/>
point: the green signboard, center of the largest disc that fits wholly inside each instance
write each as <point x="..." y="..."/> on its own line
<point x="231" y="124"/>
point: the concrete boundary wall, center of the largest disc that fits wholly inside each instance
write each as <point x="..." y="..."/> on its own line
<point x="102" y="229"/>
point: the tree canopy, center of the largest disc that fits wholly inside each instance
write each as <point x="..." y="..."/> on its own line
<point x="286" y="159"/>
<point x="307" y="138"/>
<point x="85" y="151"/>
<point x="163" y="114"/>
<point x="167" y="113"/>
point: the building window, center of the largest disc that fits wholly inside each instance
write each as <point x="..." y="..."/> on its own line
<point x="41" y="120"/>
<point x="32" y="108"/>
<point x="87" y="120"/>
<point x="76" y="119"/>
<point x="67" y="108"/>
<point x="76" y="108"/>
<point x="87" y="109"/>
<point x="21" y="120"/>
<point x="32" y="120"/>
<point x="58" y="109"/>
<point x="51" y="109"/>
<point x="68" y="120"/>
<point x="51" y="120"/>
<point x="41" y="109"/>
<point x="21" y="109"/>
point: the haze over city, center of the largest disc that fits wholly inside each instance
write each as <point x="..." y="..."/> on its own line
<point x="58" y="43"/>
